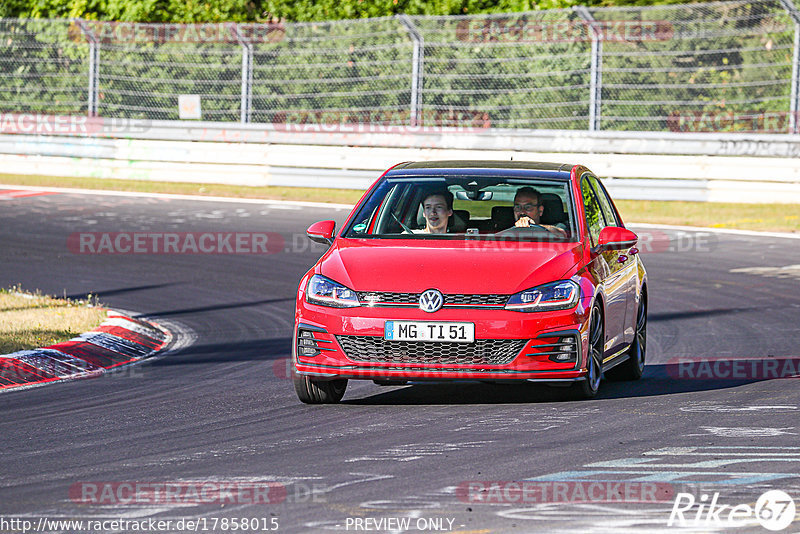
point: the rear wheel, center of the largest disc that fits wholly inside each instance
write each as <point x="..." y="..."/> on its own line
<point x="315" y="391"/>
<point x="588" y="388"/>
<point x="633" y="367"/>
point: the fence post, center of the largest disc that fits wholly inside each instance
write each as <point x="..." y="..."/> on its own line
<point x="245" y="106"/>
<point x="794" y="103"/>
<point x="596" y="69"/>
<point x="417" y="68"/>
<point x="94" y="65"/>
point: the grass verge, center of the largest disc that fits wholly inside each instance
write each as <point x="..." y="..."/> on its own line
<point x="763" y="217"/>
<point x="32" y="320"/>
<point x="308" y="194"/>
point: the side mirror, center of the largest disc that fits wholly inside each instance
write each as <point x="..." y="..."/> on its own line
<point x="321" y="232"/>
<point x="615" y="238"/>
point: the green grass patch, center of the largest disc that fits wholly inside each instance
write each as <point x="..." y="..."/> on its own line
<point x="33" y="320"/>
<point x="764" y="217"/>
<point x="309" y="194"/>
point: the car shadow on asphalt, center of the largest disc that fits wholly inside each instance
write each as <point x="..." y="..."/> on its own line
<point x="230" y="351"/>
<point x="658" y="380"/>
<point x="119" y="291"/>
<point x="215" y="307"/>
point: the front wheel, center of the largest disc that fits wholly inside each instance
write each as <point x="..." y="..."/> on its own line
<point x="588" y="388"/>
<point x="315" y="391"/>
<point x="633" y="367"/>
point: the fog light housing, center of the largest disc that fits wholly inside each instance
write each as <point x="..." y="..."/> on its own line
<point x="306" y="343"/>
<point x="566" y="350"/>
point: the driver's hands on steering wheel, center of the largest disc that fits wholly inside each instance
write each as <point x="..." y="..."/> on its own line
<point x="527" y="222"/>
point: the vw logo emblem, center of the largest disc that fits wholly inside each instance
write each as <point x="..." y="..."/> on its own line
<point x="431" y="300"/>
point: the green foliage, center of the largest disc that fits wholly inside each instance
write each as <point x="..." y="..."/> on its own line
<point x="264" y="10"/>
<point x="136" y="10"/>
<point x="725" y="59"/>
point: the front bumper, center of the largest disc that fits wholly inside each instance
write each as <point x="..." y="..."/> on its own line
<point x="509" y="346"/>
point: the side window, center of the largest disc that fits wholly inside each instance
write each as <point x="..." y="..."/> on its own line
<point x="594" y="215"/>
<point x="605" y="202"/>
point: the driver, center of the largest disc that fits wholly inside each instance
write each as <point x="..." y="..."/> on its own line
<point x="528" y="210"/>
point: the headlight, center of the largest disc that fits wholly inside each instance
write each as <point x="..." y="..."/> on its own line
<point x="326" y="292"/>
<point x="560" y="295"/>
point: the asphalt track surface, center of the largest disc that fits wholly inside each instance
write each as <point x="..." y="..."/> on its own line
<point x="220" y="408"/>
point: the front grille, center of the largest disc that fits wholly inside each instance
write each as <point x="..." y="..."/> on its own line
<point x="481" y="352"/>
<point x="388" y="299"/>
<point x="378" y="297"/>
<point x="475" y="300"/>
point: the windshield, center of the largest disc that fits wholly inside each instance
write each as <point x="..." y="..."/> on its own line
<point x="466" y="207"/>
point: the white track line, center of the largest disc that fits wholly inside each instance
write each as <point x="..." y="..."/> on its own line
<point x="786" y="235"/>
<point x="349" y="206"/>
<point x="179" y="197"/>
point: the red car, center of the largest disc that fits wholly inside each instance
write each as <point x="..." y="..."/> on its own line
<point x="473" y="270"/>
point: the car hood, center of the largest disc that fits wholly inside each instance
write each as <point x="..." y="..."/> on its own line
<point x="499" y="267"/>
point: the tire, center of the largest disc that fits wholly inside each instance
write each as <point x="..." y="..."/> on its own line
<point x="312" y="391"/>
<point x="390" y="382"/>
<point x="587" y="389"/>
<point x="633" y="367"/>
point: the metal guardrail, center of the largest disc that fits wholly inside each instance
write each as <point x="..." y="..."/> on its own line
<point x="610" y="142"/>
<point x="641" y="166"/>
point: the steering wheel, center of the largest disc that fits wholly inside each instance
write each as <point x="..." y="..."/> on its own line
<point x="406" y="229"/>
<point x="522" y="230"/>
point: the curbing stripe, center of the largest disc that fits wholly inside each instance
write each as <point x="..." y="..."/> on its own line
<point x="115" y="344"/>
<point x="128" y="324"/>
<point x="53" y="362"/>
<point x="148" y="328"/>
<point x="118" y="341"/>
<point x="94" y="354"/>
<point x="130" y="335"/>
<point x="14" y="372"/>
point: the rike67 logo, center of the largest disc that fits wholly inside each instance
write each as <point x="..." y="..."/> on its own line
<point x="774" y="510"/>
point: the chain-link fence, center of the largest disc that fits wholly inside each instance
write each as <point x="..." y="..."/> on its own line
<point x="722" y="66"/>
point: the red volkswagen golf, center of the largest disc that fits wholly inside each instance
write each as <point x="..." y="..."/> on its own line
<point x="473" y="270"/>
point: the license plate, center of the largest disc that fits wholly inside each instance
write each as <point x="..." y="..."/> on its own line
<point x="429" y="331"/>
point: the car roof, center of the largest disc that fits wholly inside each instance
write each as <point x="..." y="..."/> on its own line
<point x="531" y="169"/>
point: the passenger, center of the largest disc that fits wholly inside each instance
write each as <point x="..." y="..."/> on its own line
<point x="437" y="208"/>
<point x="528" y="211"/>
